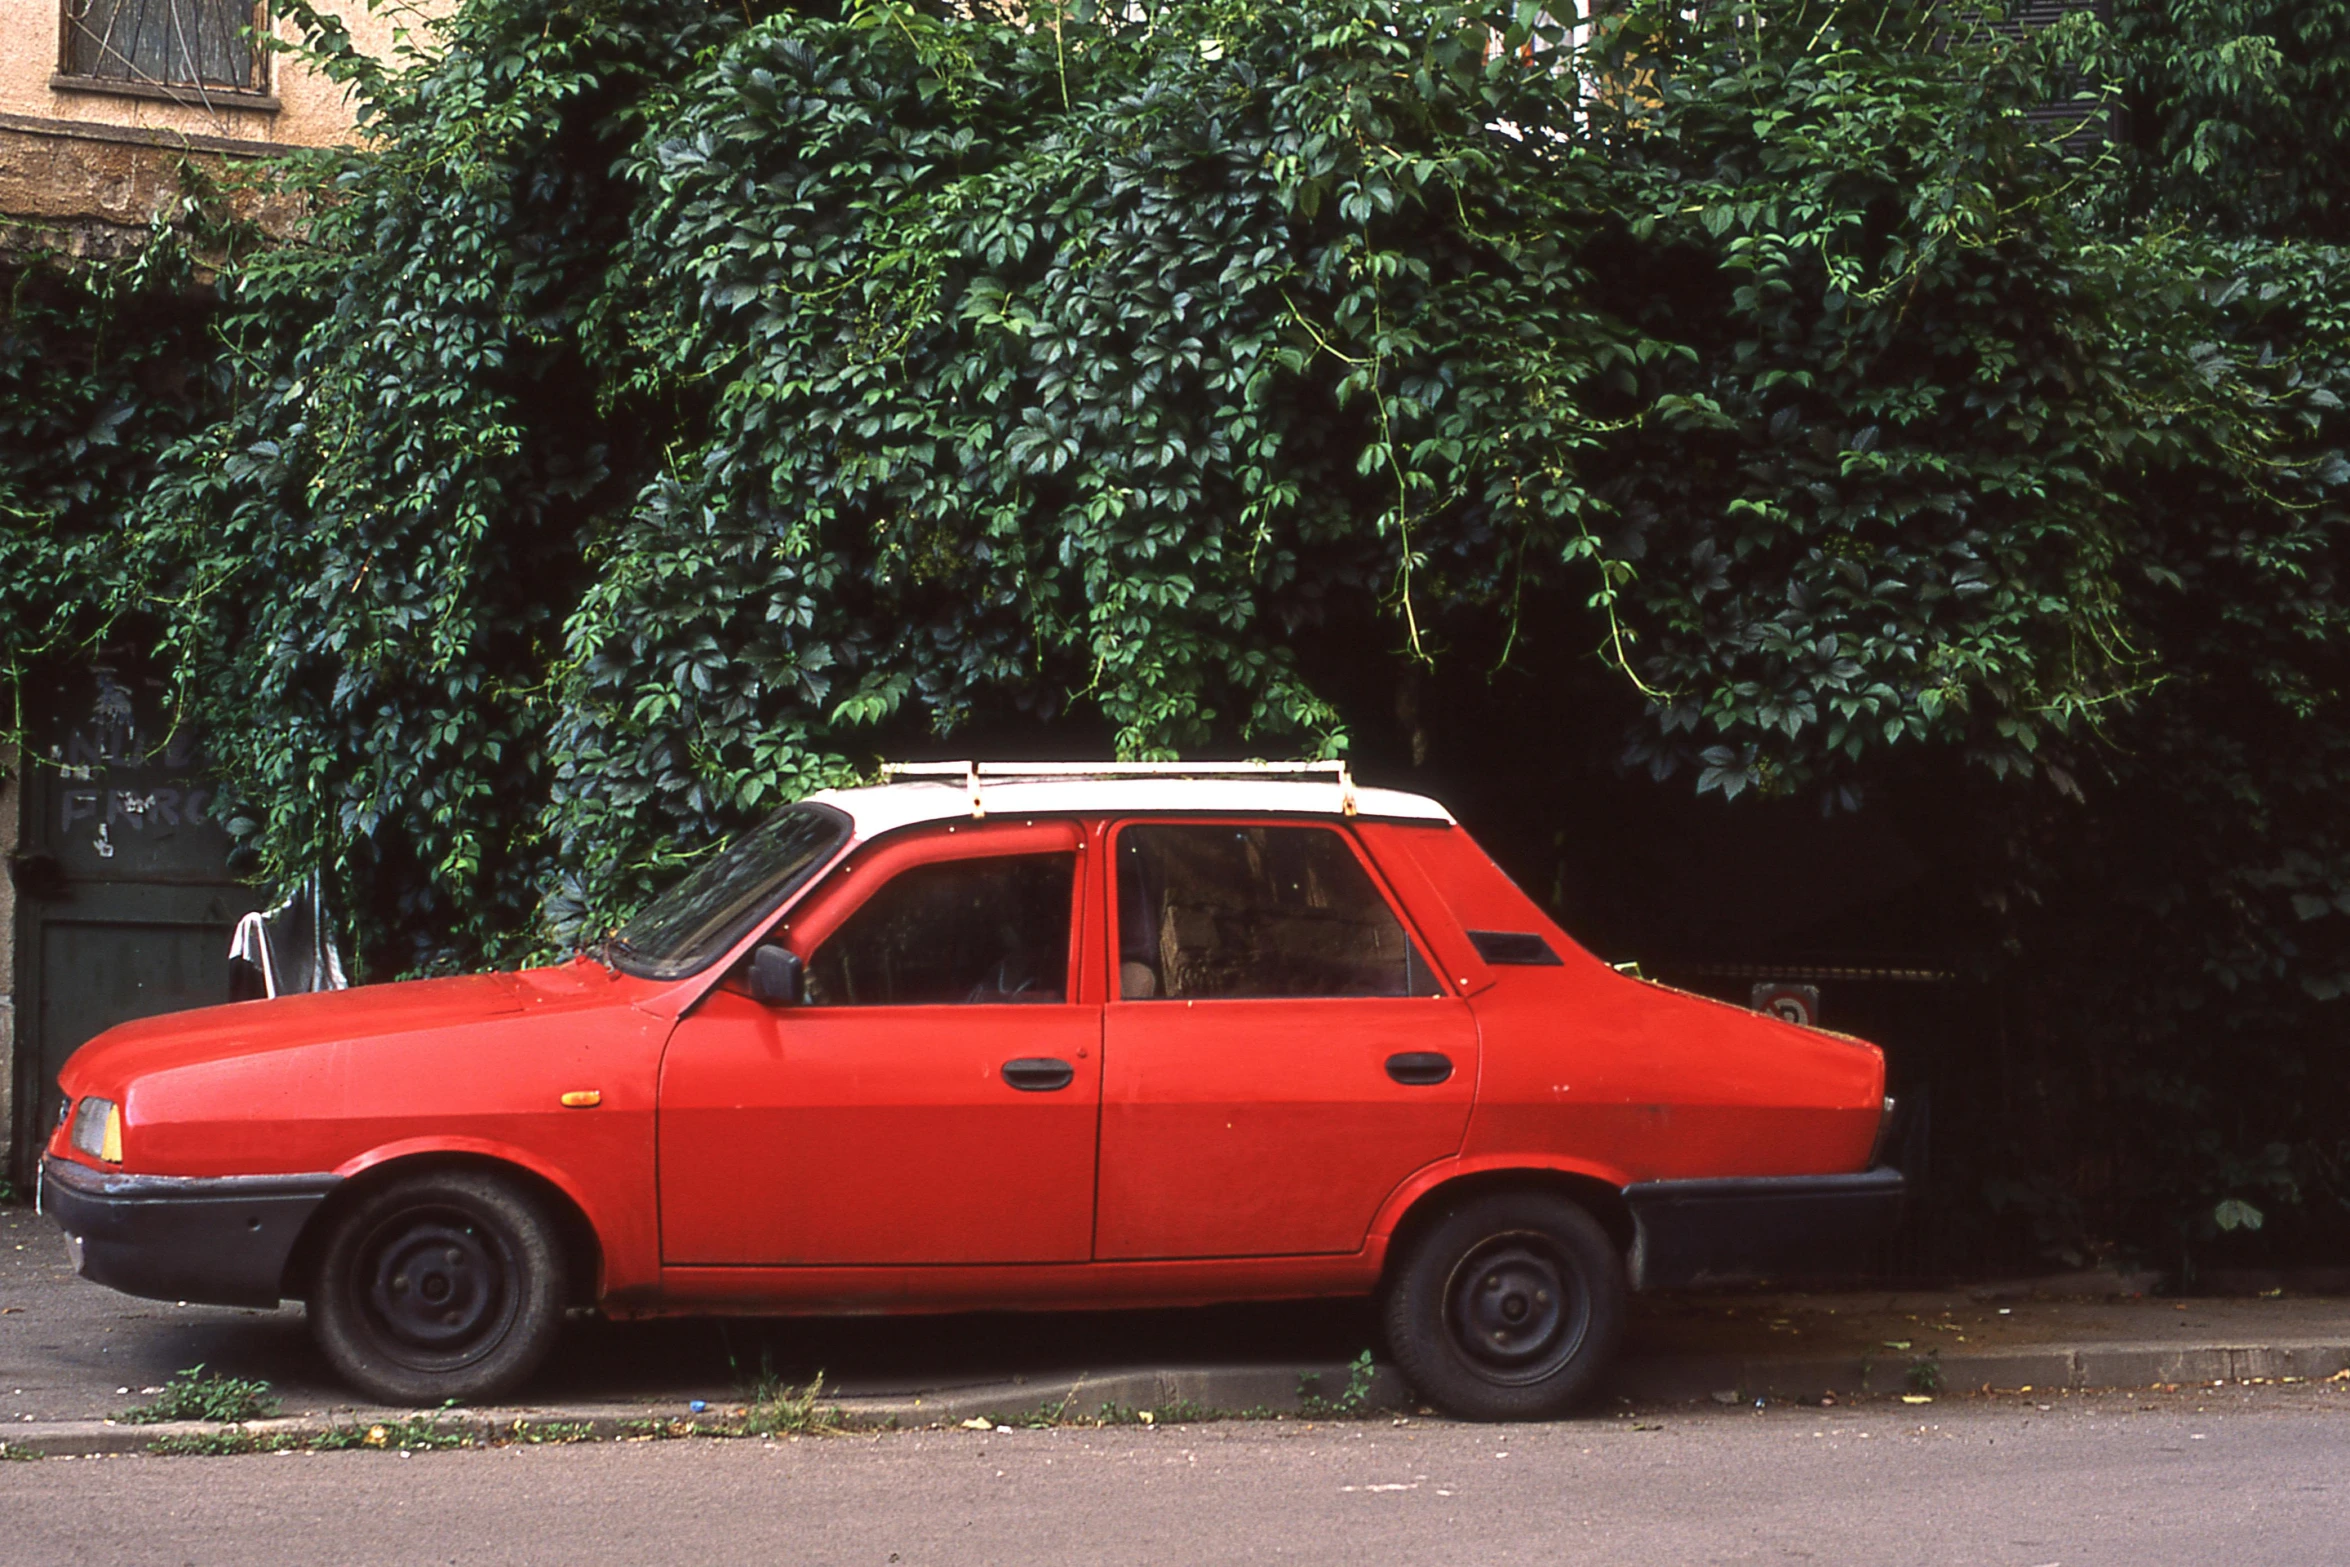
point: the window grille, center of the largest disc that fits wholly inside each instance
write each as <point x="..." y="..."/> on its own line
<point x="2081" y="121"/>
<point x="194" y="44"/>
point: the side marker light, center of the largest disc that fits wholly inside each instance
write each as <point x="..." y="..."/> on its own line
<point x="583" y="1099"/>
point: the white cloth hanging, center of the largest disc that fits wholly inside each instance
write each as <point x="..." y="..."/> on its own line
<point x="288" y="950"/>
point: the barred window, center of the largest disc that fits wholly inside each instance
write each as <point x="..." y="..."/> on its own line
<point x="173" y="43"/>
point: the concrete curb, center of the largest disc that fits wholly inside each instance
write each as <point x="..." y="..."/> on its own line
<point x="1147" y="1396"/>
<point x="1193" y="1392"/>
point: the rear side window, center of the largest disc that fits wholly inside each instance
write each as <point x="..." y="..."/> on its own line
<point x="1228" y="911"/>
<point x="954" y="933"/>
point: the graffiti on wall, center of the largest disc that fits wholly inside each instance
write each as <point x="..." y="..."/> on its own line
<point x="115" y="785"/>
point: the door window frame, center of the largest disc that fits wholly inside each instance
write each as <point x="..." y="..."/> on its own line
<point x="867" y="868"/>
<point x="1113" y="936"/>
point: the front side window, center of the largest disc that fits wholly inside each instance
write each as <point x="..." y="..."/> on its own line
<point x="954" y="933"/>
<point x="182" y="43"/>
<point x="1228" y="911"/>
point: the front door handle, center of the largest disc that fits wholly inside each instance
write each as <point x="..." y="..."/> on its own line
<point x="1419" y="1068"/>
<point x="1043" y="1074"/>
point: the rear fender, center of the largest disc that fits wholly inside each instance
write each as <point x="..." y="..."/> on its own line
<point x="1486" y="1169"/>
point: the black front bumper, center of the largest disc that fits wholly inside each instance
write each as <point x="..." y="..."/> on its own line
<point x="1703" y="1232"/>
<point x="213" y="1240"/>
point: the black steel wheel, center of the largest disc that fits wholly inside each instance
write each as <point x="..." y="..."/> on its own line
<point x="444" y="1285"/>
<point x="1506" y="1307"/>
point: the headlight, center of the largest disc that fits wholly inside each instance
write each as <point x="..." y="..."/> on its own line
<point x="97" y="1129"/>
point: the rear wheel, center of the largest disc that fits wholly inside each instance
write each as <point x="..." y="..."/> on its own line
<point x="1507" y="1307"/>
<point x="438" y="1287"/>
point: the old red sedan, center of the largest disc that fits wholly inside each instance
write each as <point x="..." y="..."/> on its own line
<point x="991" y="1037"/>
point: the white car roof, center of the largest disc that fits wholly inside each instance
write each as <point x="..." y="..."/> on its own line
<point x="884" y="808"/>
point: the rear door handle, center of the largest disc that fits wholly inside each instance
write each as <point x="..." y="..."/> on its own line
<point x="1419" y="1068"/>
<point x="1043" y="1074"/>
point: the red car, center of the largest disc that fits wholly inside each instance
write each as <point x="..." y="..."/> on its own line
<point x="999" y="1036"/>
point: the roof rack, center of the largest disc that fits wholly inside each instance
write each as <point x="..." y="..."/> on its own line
<point x="972" y="774"/>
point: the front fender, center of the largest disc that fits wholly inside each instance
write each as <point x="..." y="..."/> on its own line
<point x="628" y="1258"/>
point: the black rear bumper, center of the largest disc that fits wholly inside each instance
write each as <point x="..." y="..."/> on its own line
<point x="219" y="1240"/>
<point x="1703" y="1232"/>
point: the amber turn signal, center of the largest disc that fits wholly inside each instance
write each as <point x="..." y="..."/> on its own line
<point x="583" y="1099"/>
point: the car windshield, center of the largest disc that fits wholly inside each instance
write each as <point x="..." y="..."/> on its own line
<point x="692" y="924"/>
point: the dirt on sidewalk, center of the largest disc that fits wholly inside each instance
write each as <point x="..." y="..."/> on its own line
<point x="1755" y="1326"/>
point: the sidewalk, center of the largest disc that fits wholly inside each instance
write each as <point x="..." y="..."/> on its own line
<point x="1796" y="1345"/>
<point x="73" y="1355"/>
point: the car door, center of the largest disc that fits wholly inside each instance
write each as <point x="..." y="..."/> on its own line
<point x="933" y="1099"/>
<point x="1277" y="1054"/>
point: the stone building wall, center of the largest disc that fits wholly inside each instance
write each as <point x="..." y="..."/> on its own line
<point x="89" y="192"/>
<point x="86" y="165"/>
<point x="297" y="107"/>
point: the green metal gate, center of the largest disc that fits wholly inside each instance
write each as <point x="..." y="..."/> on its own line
<point x="125" y="902"/>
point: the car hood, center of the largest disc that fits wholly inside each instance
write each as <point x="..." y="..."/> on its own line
<point x="245" y="1028"/>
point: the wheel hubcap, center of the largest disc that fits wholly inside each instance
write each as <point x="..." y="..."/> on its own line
<point x="1515" y="1309"/>
<point x="437" y="1286"/>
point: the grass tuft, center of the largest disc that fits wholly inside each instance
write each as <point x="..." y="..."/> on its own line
<point x="773" y="1407"/>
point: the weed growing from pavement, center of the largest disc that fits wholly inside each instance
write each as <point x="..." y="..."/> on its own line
<point x="416" y="1433"/>
<point x="17" y="1452"/>
<point x="772" y="1407"/>
<point x="1051" y="1417"/>
<point x="191" y="1395"/>
<point x="1313" y="1406"/>
<point x="1176" y="1412"/>
<point x="775" y="1408"/>
<point x="1045" y="1416"/>
<point x="1925" y="1374"/>
<point x="552" y="1433"/>
<point x="226" y="1441"/>
<point x="785" y="1411"/>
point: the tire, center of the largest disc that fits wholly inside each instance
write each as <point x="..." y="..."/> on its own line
<point x="440" y="1287"/>
<point x="1507" y="1308"/>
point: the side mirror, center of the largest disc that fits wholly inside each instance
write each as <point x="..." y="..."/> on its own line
<point x="776" y="975"/>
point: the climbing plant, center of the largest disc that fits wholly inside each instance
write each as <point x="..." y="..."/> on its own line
<point x="102" y="367"/>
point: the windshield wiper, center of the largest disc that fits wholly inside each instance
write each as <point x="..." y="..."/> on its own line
<point x="613" y="946"/>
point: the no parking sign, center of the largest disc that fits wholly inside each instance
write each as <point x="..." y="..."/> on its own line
<point x="1789" y="1003"/>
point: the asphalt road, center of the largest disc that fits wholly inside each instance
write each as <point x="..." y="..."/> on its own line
<point x="2245" y="1476"/>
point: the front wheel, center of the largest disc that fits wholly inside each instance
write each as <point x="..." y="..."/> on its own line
<point x="1507" y="1308"/>
<point x="440" y="1287"/>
